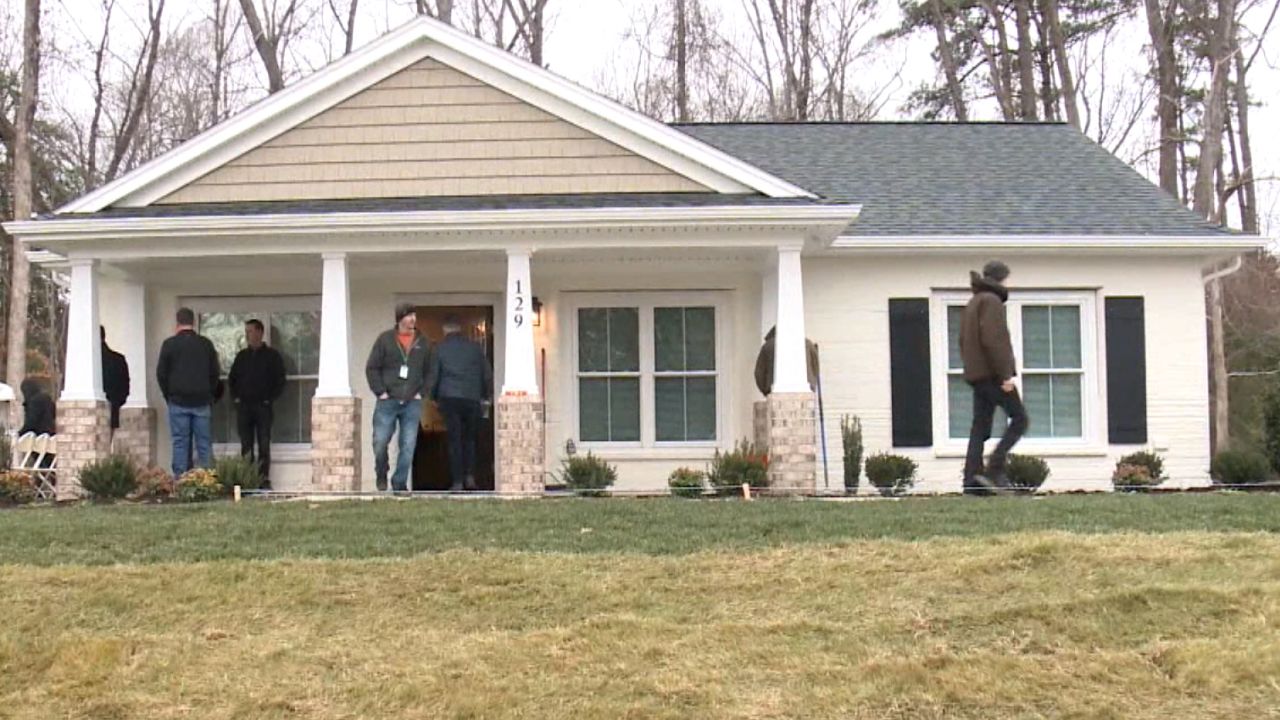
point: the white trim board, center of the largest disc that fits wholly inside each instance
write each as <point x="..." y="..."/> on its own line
<point x="420" y="38"/>
<point x="912" y="243"/>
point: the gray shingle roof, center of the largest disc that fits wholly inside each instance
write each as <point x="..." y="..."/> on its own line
<point x="961" y="178"/>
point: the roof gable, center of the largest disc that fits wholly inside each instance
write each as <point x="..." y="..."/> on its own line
<point x="422" y="38"/>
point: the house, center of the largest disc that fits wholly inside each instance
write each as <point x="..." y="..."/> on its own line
<point x="622" y="272"/>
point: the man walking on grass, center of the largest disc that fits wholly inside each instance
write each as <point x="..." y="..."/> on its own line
<point x="397" y="375"/>
<point x="989" y="368"/>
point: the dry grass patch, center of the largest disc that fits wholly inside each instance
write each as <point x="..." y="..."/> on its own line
<point x="1024" y="626"/>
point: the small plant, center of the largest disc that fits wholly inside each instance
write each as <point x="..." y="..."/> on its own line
<point x="851" y="434"/>
<point x="198" y="485"/>
<point x="1147" y="459"/>
<point x="745" y="463"/>
<point x="237" y="470"/>
<point x="112" y="478"/>
<point x="6" y="451"/>
<point x="1027" y="472"/>
<point x="154" y="484"/>
<point x="893" y="475"/>
<point x="587" y="474"/>
<point x="686" y="482"/>
<point x="1271" y="426"/>
<point x="1133" y="478"/>
<point x="16" y="489"/>
<point x="1240" y="467"/>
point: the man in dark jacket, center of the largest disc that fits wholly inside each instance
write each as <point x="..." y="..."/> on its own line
<point x="397" y="375"/>
<point x="459" y="379"/>
<point x="38" y="411"/>
<point x="187" y="372"/>
<point x="764" y="362"/>
<point x="256" y="380"/>
<point x="115" y="379"/>
<point x="989" y="368"/>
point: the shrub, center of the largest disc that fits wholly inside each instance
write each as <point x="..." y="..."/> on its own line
<point x="198" y="485"/>
<point x="851" y="434"/>
<point x="112" y="478"/>
<point x="892" y="474"/>
<point x="16" y="489"/>
<point x="1271" y="426"/>
<point x="745" y="463"/>
<point x="1147" y="459"/>
<point x="1133" y="478"/>
<point x="154" y="484"/>
<point x="686" y="482"/>
<point x="1027" y="472"/>
<point x="587" y="474"/>
<point x="237" y="470"/>
<point x="1240" y="467"/>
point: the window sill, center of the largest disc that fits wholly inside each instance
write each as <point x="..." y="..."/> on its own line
<point x="1039" y="450"/>
<point x="290" y="452"/>
<point x="693" y="452"/>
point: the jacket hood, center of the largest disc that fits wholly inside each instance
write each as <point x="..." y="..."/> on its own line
<point x="981" y="284"/>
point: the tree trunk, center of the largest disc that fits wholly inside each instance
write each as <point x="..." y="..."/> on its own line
<point x="682" y="61"/>
<point x="1066" y="80"/>
<point x="266" y="46"/>
<point x="1248" y="190"/>
<point x="1168" y="93"/>
<point x="141" y="99"/>
<point x="1026" y="60"/>
<point x="20" y="269"/>
<point x="1220" y="388"/>
<point x="1221" y="34"/>
<point x="948" y="57"/>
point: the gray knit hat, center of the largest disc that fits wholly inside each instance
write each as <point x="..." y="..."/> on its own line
<point x="995" y="270"/>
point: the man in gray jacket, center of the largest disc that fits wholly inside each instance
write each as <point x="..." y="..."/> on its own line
<point x="459" y="379"/>
<point x="397" y="374"/>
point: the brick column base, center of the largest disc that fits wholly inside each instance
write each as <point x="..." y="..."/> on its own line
<point x="792" y="443"/>
<point x="335" y="443"/>
<point x="136" y="436"/>
<point x="84" y="437"/>
<point x="520" y="461"/>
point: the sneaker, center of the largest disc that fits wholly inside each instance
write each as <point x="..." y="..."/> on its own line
<point x="994" y="484"/>
<point x="382" y="484"/>
<point x="470" y="483"/>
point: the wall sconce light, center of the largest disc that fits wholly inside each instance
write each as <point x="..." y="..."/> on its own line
<point x="570" y="447"/>
<point x="537" y="312"/>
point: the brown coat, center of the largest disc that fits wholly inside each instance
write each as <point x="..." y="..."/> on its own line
<point x="984" y="334"/>
<point x="764" y="364"/>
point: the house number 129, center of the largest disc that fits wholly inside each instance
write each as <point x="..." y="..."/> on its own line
<point x="517" y="312"/>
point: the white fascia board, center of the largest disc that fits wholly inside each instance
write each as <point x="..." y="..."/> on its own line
<point x="397" y="50"/>
<point x="90" y="236"/>
<point x="910" y="243"/>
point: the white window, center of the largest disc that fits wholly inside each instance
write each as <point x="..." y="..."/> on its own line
<point x="647" y="368"/>
<point x="292" y="325"/>
<point x="1053" y="336"/>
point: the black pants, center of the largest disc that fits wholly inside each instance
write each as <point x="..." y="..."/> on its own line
<point x="987" y="396"/>
<point x="462" y="422"/>
<point x="253" y="422"/>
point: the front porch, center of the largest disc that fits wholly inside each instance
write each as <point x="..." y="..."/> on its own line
<point x="331" y="303"/>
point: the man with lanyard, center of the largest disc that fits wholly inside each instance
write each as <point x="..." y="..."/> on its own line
<point x="397" y="375"/>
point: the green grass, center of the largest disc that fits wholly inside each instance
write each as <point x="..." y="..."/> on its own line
<point x="95" y="535"/>
<point x="1067" y="607"/>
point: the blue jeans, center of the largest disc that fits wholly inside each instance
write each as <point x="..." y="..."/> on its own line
<point x="386" y="413"/>
<point x="184" y="424"/>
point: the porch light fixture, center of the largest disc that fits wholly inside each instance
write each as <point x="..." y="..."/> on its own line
<point x="537" y="312"/>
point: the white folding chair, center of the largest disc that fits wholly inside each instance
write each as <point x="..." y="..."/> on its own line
<point x="28" y="452"/>
<point x="45" y="471"/>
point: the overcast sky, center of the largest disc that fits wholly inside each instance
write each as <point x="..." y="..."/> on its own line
<point x="586" y="43"/>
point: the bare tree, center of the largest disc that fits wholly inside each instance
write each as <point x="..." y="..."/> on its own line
<point x="19" y="268"/>
<point x="349" y="27"/>
<point x="947" y="57"/>
<point x="1163" y="29"/>
<point x="139" y="92"/>
<point x="271" y="36"/>
<point x="442" y="12"/>
<point x="1219" y="31"/>
<point x="1057" y="39"/>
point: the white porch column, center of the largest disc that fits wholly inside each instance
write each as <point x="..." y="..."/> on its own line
<point x="335" y="329"/>
<point x="84" y="347"/>
<point x="790" y="369"/>
<point x="335" y="410"/>
<point x="131" y="341"/>
<point x="521" y="377"/>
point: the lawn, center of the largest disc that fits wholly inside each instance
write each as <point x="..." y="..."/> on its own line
<point x="1081" y="607"/>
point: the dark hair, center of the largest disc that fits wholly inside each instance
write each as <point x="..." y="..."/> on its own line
<point x="256" y="323"/>
<point x="186" y="316"/>
<point x="452" y="320"/>
<point x="405" y="309"/>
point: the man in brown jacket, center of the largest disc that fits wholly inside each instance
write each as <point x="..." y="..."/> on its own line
<point x="989" y="368"/>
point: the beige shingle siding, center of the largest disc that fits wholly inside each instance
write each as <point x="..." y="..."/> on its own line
<point x="431" y="130"/>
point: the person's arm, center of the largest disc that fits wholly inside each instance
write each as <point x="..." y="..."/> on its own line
<point x="162" y="369"/>
<point x="433" y="375"/>
<point x="764" y="370"/>
<point x="125" y="387"/>
<point x="233" y="377"/>
<point x="487" y="369"/>
<point x="373" y="369"/>
<point x="215" y="368"/>
<point x="993" y="329"/>
<point x="277" y="375"/>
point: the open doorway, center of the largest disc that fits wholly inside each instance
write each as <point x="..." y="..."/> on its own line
<point x="431" y="459"/>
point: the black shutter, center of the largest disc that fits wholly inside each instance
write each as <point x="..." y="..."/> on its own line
<point x="1126" y="371"/>
<point x="909" y="370"/>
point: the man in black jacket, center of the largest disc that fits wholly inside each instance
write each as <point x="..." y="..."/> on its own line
<point x="397" y="375"/>
<point x="256" y="380"/>
<point x="115" y="379"/>
<point x="459" y="379"/>
<point x="38" y="409"/>
<point x="187" y="372"/>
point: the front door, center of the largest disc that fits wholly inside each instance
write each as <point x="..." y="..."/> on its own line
<point x="431" y="459"/>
